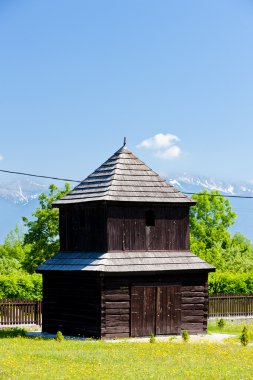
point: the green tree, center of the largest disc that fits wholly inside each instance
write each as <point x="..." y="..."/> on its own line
<point x="13" y="252"/>
<point x="43" y="230"/>
<point x="8" y="266"/>
<point x="210" y="220"/>
<point x="238" y="256"/>
<point x="13" y="247"/>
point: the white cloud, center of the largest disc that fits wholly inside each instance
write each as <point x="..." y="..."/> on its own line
<point x="170" y="153"/>
<point x="1" y="157"/>
<point x="164" y="144"/>
<point x="161" y="140"/>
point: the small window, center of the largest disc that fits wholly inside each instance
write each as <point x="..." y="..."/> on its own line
<point x="150" y="218"/>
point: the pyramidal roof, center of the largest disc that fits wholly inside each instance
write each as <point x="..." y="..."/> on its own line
<point x="123" y="177"/>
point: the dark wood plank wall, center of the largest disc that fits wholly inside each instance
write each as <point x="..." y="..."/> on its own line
<point x="83" y="228"/>
<point x="195" y="305"/>
<point x="99" y="228"/>
<point x="115" y="308"/>
<point x="72" y="303"/>
<point x="116" y="302"/>
<point x="127" y="228"/>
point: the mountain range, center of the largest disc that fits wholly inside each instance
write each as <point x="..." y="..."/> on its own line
<point x="20" y="198"/>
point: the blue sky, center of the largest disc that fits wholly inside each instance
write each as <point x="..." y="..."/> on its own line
<point x="77" y="76"/>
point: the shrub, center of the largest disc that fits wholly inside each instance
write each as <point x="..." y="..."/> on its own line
<point x="59" y="337"/>
<point x="152" y="338"/>
<point x="21" y="286"/>
<point x="12" y="332"/>
<point x="244" y="337"/>
<point x="221" y="323"/>
<point x="230" y="283"/>
<point x="185" y="336"/>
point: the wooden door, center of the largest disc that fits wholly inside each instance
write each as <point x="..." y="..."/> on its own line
<point x="143" y="310"/>
<point x="168" y="310"/>
<point x="155" y="309"/>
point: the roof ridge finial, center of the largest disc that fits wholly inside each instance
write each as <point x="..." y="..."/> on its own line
<point x="124" y="142"/>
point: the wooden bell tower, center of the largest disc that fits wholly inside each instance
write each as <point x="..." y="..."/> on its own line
<point x="124" y="267"/>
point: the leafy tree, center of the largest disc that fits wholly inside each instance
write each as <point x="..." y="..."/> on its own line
<point x="210" y="238"/>
<point x="8" y="266"/>
<point x="13" y="247"/>
<point x="238" y="256"/>
<point x="21" y="285"/>
<point x="231" y="283"/>
<point x="43" y="230"/>
<point x="210" y="220"/>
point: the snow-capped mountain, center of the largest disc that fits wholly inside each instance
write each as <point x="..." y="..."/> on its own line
<point x="20" y="198"/>
<point x="17" y="198"/>
<point x="20" y="191"/>
<point x="242" y="207"/>
<point x="188" y="183"/>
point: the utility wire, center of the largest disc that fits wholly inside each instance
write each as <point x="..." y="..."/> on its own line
<point x="221" y="195"/>
<point x="78" y="181"/>
<point x="40" y="176"/>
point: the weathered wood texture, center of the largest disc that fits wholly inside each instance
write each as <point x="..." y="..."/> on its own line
<point x="71" y="303"/>
<point x="127" y="230"/>
<point x="230" y="305"/>
<point x="195" y="305"/>
<point x="14" y="312"/>
<point x="123" y="177"/>
<point x="162" y="304"/>
<point x="125" y="227"/>
<point x="101" y="228"/>
<point x="155" y="309"/>
<point x="83" y="228"/>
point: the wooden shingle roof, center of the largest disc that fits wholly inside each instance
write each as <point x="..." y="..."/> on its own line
<point x="123" y="177"/>
<point x="127" y="261"/>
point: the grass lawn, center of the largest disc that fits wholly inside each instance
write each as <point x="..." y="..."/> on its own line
<point x="27" y="358"/>
<point x="232" y="326"/>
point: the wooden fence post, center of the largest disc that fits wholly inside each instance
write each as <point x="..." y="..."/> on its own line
<point x="20" y="312"/>
<point x="230" y="305"/>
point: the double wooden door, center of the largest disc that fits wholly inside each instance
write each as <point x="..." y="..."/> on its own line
<point x="155" y="309"/>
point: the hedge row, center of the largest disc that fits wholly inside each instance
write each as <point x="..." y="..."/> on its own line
<point x="21" y="286"/>
<point x="231" y="283"/>
<point x="29" y="286"/>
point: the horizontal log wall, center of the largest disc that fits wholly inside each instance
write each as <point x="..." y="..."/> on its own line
<point x="116" y="302"/>
<point x="194" y="306"/>
<point x="71" y="303"/>
<point x="115" y="309"/>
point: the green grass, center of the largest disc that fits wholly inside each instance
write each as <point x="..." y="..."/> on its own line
<point x="26" y="358"/>
<point x="12" y="332"/>
<point x="231" y="327"/>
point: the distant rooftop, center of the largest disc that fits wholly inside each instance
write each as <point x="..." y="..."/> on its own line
<point x="123" y="177"/>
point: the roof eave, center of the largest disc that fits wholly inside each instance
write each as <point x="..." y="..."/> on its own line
<point x="60" y="203"/>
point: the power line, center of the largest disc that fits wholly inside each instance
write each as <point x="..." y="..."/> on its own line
<point x="78" y="181"/>
<point x="221" y="195"/>
<point x="40" y="176"/>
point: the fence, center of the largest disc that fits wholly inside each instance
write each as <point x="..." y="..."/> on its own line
<point x="230" y="305"/>
<point x="20" y="312"/>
